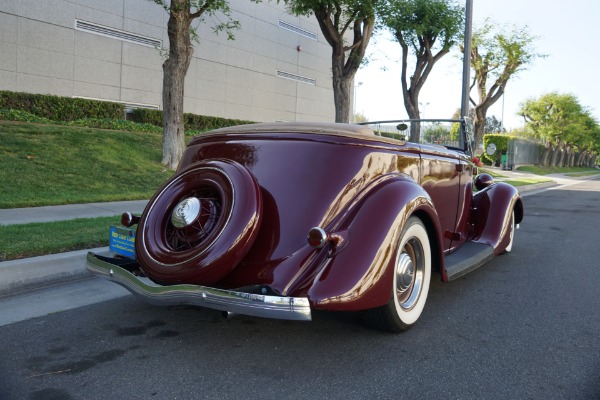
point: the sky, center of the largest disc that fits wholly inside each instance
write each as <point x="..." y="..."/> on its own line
<point x="566" y="31"/>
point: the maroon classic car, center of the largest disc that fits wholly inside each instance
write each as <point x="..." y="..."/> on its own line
<point x="276" y="220"/>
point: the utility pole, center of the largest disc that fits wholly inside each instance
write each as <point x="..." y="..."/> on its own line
<point x="466" y="78"/>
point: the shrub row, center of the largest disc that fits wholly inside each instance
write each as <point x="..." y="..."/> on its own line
<point x="59" y="108"/>
<point x="101" y="123"/>
<point x="501" y="142"/>
<point x="191" y="122"/>
<point x="66" y="109"/>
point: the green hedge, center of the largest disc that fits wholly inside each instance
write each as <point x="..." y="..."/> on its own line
<point x="501" y="142"/>
<point x="191" y="122"/>
<point x="59" y="108"/>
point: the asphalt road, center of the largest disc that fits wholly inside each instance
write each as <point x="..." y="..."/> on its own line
<point x="525" y="326"/>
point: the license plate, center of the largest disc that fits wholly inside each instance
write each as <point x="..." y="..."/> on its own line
<point x="122" y="241"/>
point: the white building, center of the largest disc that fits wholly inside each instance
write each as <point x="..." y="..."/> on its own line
<point x="278" y="68"/>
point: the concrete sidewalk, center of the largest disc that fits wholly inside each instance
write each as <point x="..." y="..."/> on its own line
<point x="29" y="273"/>
<point x="16" y="216"/>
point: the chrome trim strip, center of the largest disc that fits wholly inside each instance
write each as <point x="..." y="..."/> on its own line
<point x="278" y="307"/>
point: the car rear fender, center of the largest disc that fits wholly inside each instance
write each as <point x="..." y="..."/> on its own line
<point x="492" y="208"/>
<point x="359" y="276"/>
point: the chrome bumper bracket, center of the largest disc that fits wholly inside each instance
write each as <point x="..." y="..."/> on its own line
<point x="258" y="305"/>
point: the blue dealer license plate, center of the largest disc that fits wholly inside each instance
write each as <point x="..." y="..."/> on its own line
<point x="122" y="240"/>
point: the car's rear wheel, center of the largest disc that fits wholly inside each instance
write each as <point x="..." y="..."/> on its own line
<point x="410" y="282"/>
<point x="200" y="224"/>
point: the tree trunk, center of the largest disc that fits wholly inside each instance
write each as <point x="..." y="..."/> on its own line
<point x="555" y="152"/>
<point x="479" y="124"/>
<point x="545" y="155"/>
<point x="571" y="161"/>
<point x="175" y="69"/>
<point x="342" y="86"/>
<point x="561" y="156"/>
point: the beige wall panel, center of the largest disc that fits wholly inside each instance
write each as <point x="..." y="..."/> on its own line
<point x="44" y="63"/>
<point x="241" y="77"/>
<point x="8" y="28"/>
<point x="287" y="54"/>
<point x="8" y="80"/>
<point x="285" y="102"/>
<point x="57" y="12"/>
<point x="292" y="68"/>
<point x="46" y="36"/>
<point x="95" y="71"/>
<point x="95" y="91"/>
<point x="104" y="18"/>
<point x="208" y="107"/>
<point x="189" y="88"/>
<point x="144" y="29"/>
<point x="210" y="71"/>
<point x="8" y="56"/>
<point x="239" y="58"/>
<point x="265" y="65"/>
<point x="267" y="30"/>
<point x="141" y="96"/>
<point x="9" y="6"/>
<point x="114" y="7"/>
<point x="44" y="85"/>
<point x="239" y="111"/>
<point x="264" y="47"/>
<point x="97" y="47"/>
<point x="211" y="51"/>
<point x="261" y="98"/>
<point x="208" y="90"/>
<point x="141" y="56"/>
<point x="145" y="11"/>
<point x="274" y="84"/>
<point x="238" y="95"/>
<point x="141" y="79"/>
<point x="313" y="63"/>
<point x="235" y="79"/>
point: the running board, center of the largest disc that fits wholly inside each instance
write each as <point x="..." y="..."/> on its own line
<point x="467" y="258"/>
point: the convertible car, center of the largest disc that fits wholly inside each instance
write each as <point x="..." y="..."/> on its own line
<point x="279" y="219"/>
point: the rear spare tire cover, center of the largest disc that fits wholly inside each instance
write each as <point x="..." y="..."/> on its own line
<point x="199" y="224"/>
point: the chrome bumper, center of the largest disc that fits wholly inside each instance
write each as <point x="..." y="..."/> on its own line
<point x="279" y="307"/>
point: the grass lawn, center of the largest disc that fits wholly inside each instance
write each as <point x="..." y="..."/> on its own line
<point x="52" y="164"/>
<point x="534" y="169"/>
<point x="581" y="174"/>
<point x="491" y="172"/>
<point x="29" y="240"/>
<point x="526" y="181"/>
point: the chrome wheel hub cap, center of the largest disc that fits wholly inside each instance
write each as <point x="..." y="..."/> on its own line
<point x="405" y="273"/>
<point x="186" y="212"/>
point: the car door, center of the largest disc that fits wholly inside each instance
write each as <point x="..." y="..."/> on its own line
<point x="441" y="171"/>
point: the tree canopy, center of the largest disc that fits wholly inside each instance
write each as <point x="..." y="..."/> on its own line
<point x="347" y="25"/>
<point x="565" y="125"/>
<point x="498" y="53"/>
<point x="427" y="30"/>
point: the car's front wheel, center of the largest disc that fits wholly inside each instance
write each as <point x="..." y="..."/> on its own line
<point x="410" y="281"/>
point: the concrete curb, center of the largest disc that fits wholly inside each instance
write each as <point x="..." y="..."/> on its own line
<point x="28" y="273"/>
